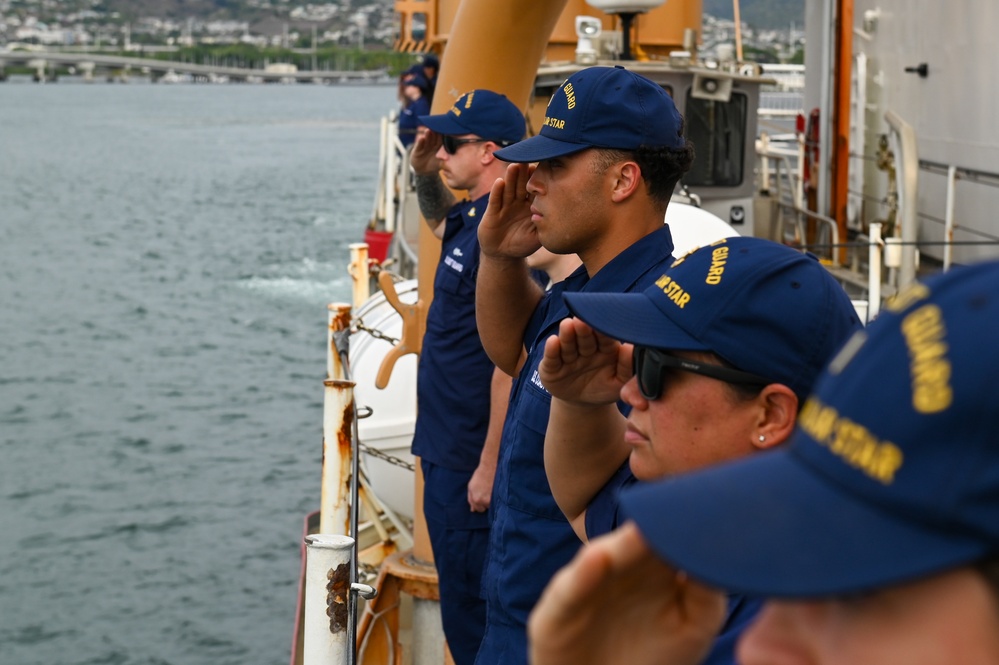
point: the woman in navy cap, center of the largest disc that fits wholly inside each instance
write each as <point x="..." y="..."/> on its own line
<point x="712" y="369"/>
<point x="875" y="532"/>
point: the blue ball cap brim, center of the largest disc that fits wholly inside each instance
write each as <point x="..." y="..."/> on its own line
<point x="538" y="148"/>
<point x="769" y="526"/>
<point x="631" y="318"/>
<point x="443" y="124"/>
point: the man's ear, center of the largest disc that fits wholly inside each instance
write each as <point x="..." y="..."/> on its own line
<point x="627" y="178"/>
<point x="487" y="155"/>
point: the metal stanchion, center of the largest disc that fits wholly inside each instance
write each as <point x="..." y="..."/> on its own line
<point x="330" y="600"/>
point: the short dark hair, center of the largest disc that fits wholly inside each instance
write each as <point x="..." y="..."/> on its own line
<point x="661" y="167"/>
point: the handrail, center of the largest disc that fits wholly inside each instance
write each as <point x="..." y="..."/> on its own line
<point x="903" y="138"/>
<point x="392" y="198"/>
<point x="801" y="214"/>
<point x="790" y="197"/>
<point x="381" y="185"/>
<point x="767" y="151"/>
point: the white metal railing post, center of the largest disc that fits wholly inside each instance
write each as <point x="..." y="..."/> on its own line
<point x="359" y="273"/>
<point x="330" y="622"/>
<point x="949" y="218"/>
<point x="874" y="272"/>
<point x="338" y="425"/>
<point x="330" y="619"/>
<point x="328" y="564"/>
<point x="339" y="325"/>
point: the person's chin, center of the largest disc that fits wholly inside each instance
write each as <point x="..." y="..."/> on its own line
<point x="640" y="466"/>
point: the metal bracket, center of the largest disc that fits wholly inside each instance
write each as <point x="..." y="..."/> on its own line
<point x="364" y="590"/>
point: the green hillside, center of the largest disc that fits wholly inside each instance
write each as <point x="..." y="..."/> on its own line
<point x="761" y="13"/>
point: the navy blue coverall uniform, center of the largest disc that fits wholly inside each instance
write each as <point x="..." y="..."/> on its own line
<point x="530" y="538"/>
<point x="454" y="379"/>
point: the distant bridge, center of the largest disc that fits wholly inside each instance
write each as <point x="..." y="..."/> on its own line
<point x="87" y="63"/>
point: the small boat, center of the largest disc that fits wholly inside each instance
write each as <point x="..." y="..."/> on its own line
<point x="173" y="77"/>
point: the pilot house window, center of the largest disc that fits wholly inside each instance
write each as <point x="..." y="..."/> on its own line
<point x="718" y="132"/>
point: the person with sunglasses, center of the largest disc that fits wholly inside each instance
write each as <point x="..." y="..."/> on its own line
<point x="873" y="534"/>
<point x="461" y="398"/>
<point x="609" y="155"/>
<point x="714" y="361"/>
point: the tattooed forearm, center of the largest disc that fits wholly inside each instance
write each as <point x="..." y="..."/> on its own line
<point x="434" y="198"/>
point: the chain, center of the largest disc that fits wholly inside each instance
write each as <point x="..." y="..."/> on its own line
<point x="385" y="457"/>
<point x="377" y="334"/>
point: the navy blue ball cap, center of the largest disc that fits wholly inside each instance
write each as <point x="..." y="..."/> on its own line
<point x="892" y="473"/>
<point x="418" y="80"/>
<point x="765" y="308"/>
<point x="603" y="107"/>
<point x="486" y="114"/>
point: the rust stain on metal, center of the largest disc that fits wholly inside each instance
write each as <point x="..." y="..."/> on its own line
<point x="345" y="442"/>
<point x="340" y="320"/>
<point x="344" y="437"/>
<point x="337" y="365"/>
<point x="337" y="593"/>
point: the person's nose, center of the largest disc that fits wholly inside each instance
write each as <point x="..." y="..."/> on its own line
<point x="534" y="184"/>
<point x="631" y="395"/>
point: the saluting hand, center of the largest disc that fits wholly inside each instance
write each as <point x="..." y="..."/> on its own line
<point x="616" y="603"/>
<point x="581" y="366"/>
<point x="423" y="157"/>
<point x="506" y="229"/>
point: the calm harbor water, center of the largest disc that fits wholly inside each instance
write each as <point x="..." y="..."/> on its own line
<point x="166" y="255"/>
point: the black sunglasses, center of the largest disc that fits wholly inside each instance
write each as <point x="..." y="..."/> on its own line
<point x="451" y="144"/>
<point x="650" y="367"/>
